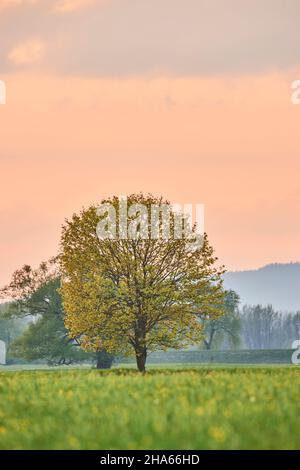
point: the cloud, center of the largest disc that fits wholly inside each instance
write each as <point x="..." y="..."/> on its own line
<point x="60" y="6"/>
<point x="186" y="38"/>
<point x="121" y="38"/>
<point x="29" y="52"/>
<point x="15" y="3"/>
<point x="68" y="6"/>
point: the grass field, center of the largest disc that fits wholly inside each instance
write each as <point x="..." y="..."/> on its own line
<point x="175" y="408"/>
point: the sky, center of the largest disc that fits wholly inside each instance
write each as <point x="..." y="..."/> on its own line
<point x="190" y="99"/>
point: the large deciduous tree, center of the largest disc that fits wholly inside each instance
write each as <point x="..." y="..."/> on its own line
<point x="135" y="295"/>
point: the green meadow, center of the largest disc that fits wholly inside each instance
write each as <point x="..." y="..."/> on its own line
<point x="168" y="408"/>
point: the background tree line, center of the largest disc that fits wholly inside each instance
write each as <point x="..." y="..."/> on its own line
<point x="251" y="327"/>
<point x="32" y="324"/>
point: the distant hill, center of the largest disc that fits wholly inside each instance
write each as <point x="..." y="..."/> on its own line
<point x="276" y="284"/>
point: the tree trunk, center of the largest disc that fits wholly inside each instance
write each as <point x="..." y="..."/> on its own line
<point x="140" y="343"/>
<point x="141" y="357"/>
<point x="208" y="342"/>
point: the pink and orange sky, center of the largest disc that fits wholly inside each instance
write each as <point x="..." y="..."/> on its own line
<point x="189" y="99"/>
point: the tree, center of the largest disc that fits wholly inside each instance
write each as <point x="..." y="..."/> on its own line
<point x="265" y="328"/>
<point x="33" y="291"/>
<point x="135" y="294"/>
<point x="46" y="339"/>
<point x="35" y="294"/>
<point x="259" y="324"/>
<point x="104" y="360"/>
<point x="226" y="327"/>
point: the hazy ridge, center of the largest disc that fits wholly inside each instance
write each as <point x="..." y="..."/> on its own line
<point x="277" y="284"/>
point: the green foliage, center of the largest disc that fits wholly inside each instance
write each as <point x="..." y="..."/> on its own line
<point x="33" y="290"/>
<point x="205" y="408"/>
<point x="36" y="296"/>
<point x="104" y="360"/>
<point x="46" y="339"/>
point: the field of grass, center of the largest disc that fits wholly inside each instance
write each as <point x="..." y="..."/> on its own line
<point x="188" y="408"/>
